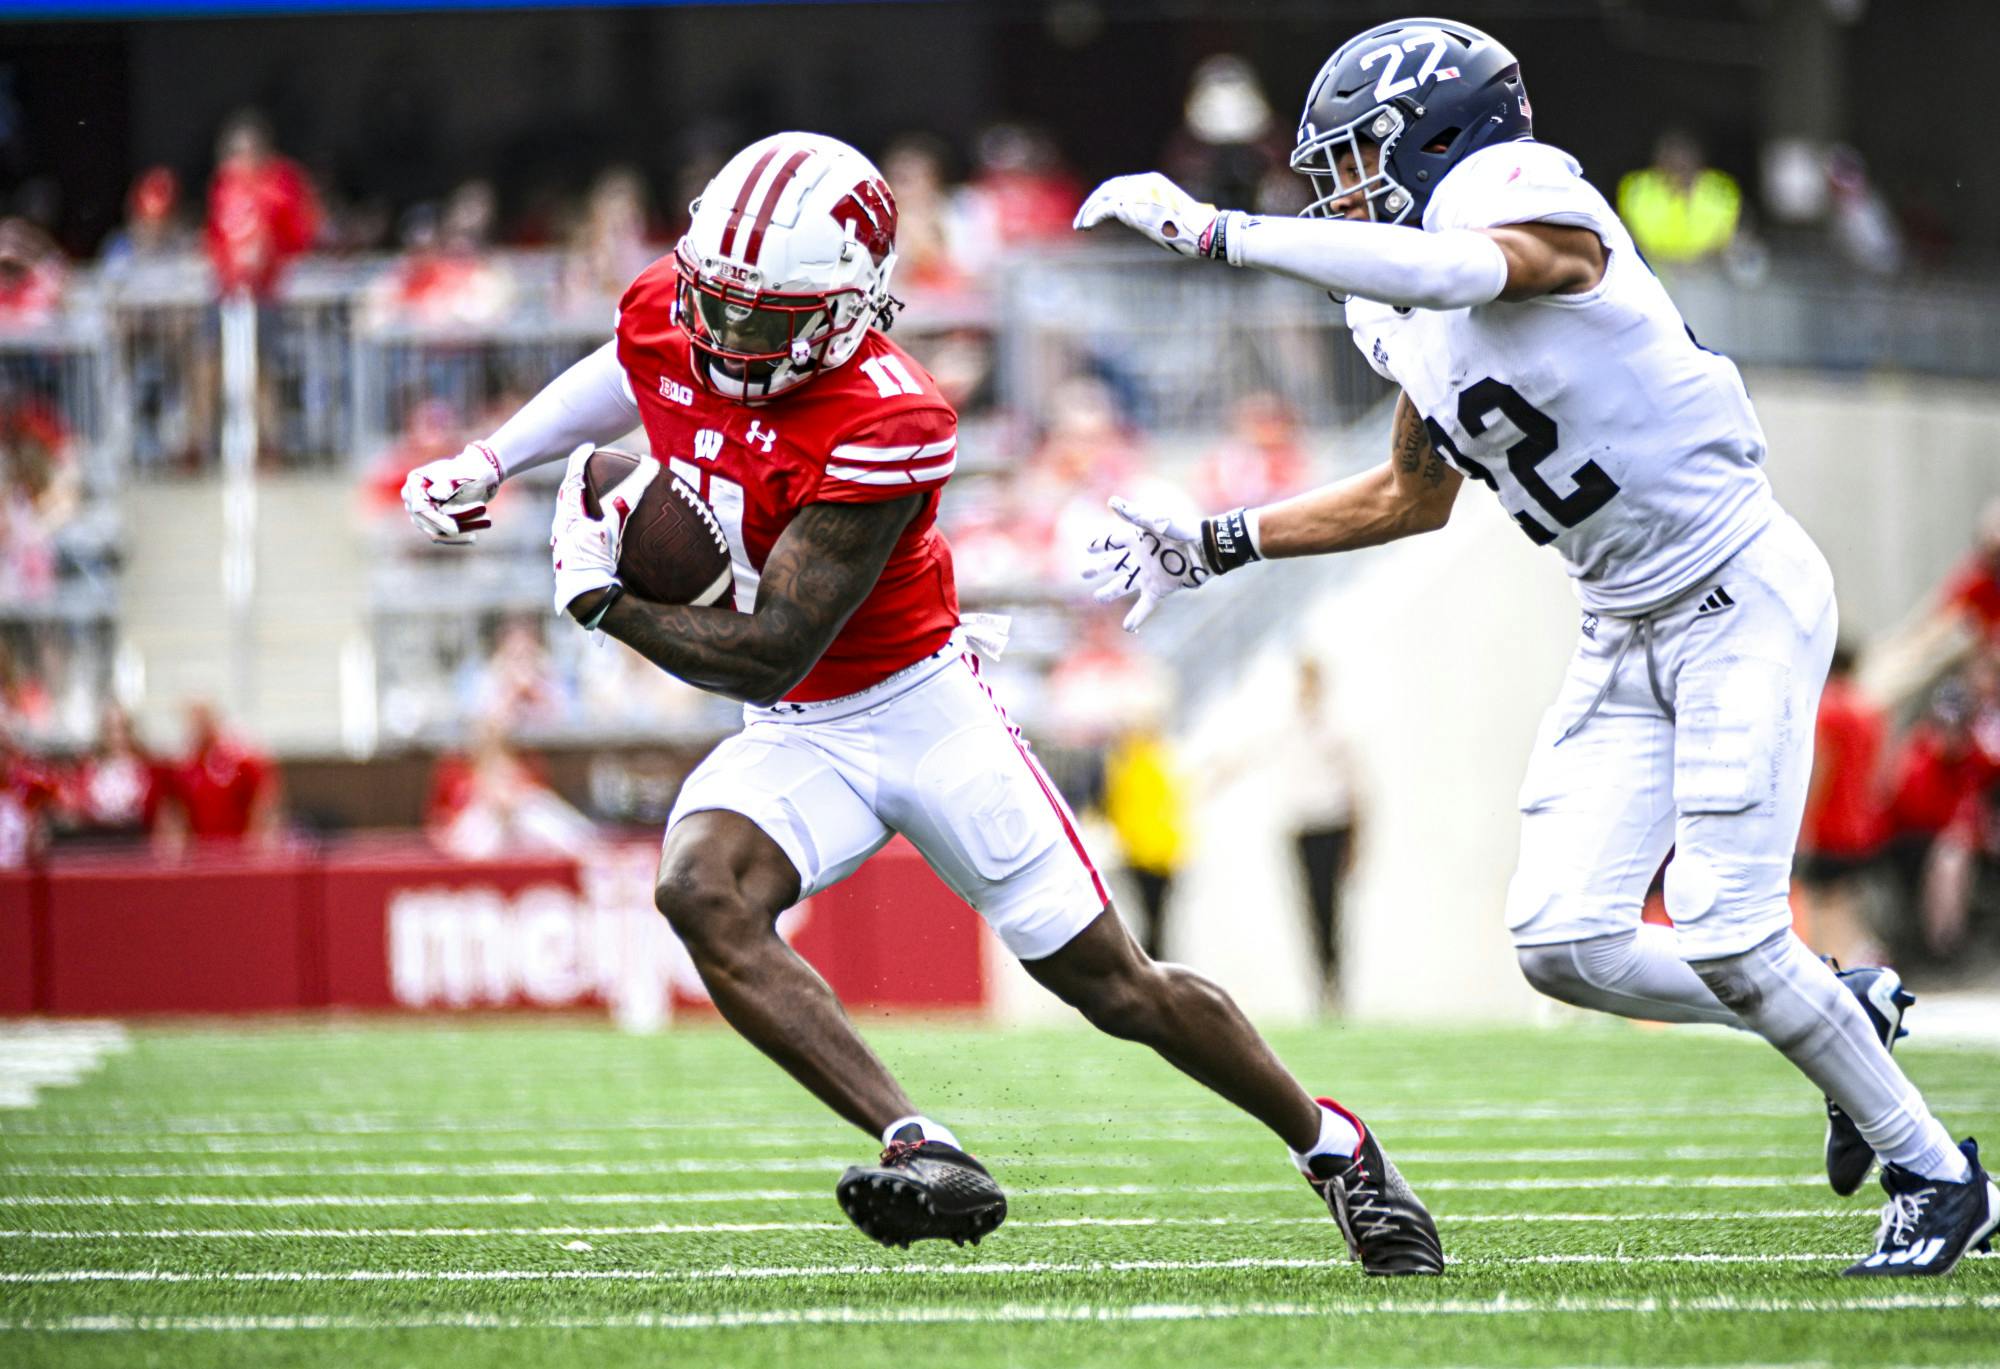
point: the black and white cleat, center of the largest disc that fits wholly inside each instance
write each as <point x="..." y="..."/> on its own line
<point x="922" y="1191"/>
<point x="1387" y="1229"/>
<point x="1929" y="1225"/>
<point x="1882" y="996"/>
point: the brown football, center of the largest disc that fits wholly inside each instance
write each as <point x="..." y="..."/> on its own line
<point x="674" y="551"/>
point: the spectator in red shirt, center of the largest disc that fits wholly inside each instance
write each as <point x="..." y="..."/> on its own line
<point x="1965" y="613"/>
<point x="115" y="790"/>
<point x="223" y="790"/>
<point x="1843" y="828"/>
<point x="1972" y="594"/>
<point x="262" y="211"/>
<point x="1940" y="769"/>
<point x="491" y="801"/>
<point x="28" y="789"/>
<point x="32" y="275"/>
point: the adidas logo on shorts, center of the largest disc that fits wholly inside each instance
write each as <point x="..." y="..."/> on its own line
<point x="1718" y="599"/>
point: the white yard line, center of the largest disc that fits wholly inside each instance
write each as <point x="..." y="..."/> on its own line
<point x="1018" y="1313"/>
<point x="722" y="1228"/>
<point x="1587" y="1112"/>
<point x="190" y="1149"/>
<point x="799" y="1164"/>
<point x="1628" y="1181"/>
<point x="732" y="1272"/>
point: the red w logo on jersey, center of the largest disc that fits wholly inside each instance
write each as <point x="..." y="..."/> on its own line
<point x="870" y="210"/>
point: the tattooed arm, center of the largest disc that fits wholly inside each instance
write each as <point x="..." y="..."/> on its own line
<point x="1410" y="493"/>
<point x="821" y="569"/>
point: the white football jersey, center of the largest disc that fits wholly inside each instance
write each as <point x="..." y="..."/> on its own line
<point x="1606" y="431"/>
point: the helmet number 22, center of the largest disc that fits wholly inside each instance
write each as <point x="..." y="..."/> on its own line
<point x="1489" y="399"/>
<point x="1391" y="85"/>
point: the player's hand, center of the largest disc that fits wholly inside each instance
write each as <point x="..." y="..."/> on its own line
<point x="586" y="549"/>
<point x="1156" y="207"/>
<point x="1157" y="556"/>
<point x="447" y="499"/>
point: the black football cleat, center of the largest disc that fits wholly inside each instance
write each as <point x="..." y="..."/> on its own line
<point x="922" y="1191"/>
<point x="1882" y="996"/>
<point x="1386" y="1228"/>
<point x="1928" y="1225"/>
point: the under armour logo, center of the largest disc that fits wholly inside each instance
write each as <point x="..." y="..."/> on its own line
<point x="1381" y="353"/>
<point x="1590" y="626"/>
<point x="759" y="433"/>
<point x="708" y="445"/>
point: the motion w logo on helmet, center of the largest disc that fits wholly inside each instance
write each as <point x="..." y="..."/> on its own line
<point x="870" y="210"/>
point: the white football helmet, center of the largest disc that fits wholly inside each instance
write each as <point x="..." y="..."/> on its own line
<point x="786" y="263"/>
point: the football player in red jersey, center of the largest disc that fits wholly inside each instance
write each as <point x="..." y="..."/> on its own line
<point x="754" y="360"/>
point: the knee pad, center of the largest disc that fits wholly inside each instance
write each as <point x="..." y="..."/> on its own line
<point x="1555" y="972"/>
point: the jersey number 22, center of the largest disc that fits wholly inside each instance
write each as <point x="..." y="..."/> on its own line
<point x="1478" y="405"/>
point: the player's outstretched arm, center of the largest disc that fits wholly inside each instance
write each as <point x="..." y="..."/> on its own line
<point x="1159" y="555"/>
<point x="1405" y="266"/>
<point x="817" y="574"/>
<point x="1411" y="492"/>
<point x="590" y="402"/>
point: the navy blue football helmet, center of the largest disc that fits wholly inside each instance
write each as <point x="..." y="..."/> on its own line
<point x="1430" y="92"/>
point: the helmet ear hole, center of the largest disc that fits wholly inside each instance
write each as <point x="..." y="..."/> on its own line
<point x="1442" y="143"/>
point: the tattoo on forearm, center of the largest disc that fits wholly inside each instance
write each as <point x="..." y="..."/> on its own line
<point x="819" y="572"/>
<point x="1411" y="441"/>
<point x="1434" y="468"/>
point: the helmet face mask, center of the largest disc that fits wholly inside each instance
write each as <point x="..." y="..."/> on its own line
<point x="758" y="337"/>
<point x="1369" y="144"/>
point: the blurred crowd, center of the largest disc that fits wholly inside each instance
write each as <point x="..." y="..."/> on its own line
<point x="215" y="791"/>
<point x="1900" y="851"/>
<point x="1902" y="840"/>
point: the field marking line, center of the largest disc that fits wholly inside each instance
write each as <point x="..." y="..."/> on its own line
<point x="1015" y="1314"/>
<point x="1645" y="1181"/>
<point x="425" y="1169"/>
<point x="344" y="1145"/>
<point x="722" y="1228"/>
<point x="987" y="1269"/>
<point x="320" y="1123"/>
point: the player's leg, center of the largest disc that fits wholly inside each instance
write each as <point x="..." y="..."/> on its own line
<point x="1597" y="818"/>
<point x="1195" y="1026"/>
<point x="722" y="884"/>
<point x="977" y="805"/>
<point x="1747" y="683"/>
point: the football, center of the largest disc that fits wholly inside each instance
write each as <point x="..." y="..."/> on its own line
<point x="674" y="551"/>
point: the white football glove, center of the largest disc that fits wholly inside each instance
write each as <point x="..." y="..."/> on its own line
<point x="447" y="499"/>
<point x="1157" y="557"/>
<point x="586" y="549"/>
<point x="1156" y="207"/>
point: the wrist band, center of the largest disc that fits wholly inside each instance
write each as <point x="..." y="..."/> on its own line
<point x="1229" y="540"/>
<point x="617" y="593"/>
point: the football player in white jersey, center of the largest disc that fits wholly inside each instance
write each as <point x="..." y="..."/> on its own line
<point x="1539" y="355"/>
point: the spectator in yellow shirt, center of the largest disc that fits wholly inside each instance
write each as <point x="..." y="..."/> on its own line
<point x="1144" y="804"/>
<point x="1678" y="210"/>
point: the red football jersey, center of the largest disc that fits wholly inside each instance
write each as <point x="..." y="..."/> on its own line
<point x="873" y="430"/>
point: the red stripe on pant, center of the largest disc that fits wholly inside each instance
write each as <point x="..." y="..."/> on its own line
<point x="1041" y="778"/>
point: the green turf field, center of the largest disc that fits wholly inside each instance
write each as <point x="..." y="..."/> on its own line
<point x="556" y="1194"/>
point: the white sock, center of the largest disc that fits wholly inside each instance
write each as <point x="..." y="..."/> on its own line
<point x="1638" y="974"/>
<point x="930" y="1130"/>
<point x="1786" y="995"/>
<point x="1339" y="1134"/>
